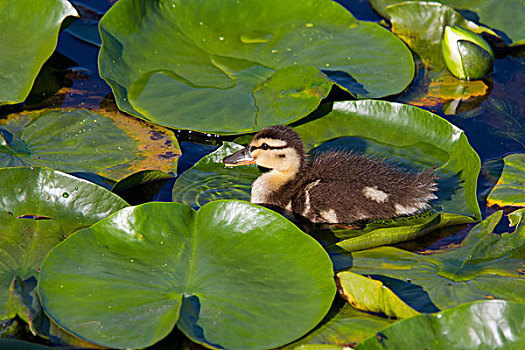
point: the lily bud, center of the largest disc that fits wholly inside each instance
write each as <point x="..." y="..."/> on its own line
<point x="466" y="54"/>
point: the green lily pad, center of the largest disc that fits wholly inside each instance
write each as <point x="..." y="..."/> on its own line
<point x="232" y="67"/>
<point x="39" y="207"/>
<point x="210" y="180"/>
<point x="231" y="275"/>
<point x="367" y="294"/>
<point x="345" y="327"/>
<point x="109" y="145"/>
<point x="407" y="135"/>
<point x="510" y="188"/>
<point x="486" y="266"/>
<point x="494" y="324"/>
<point x="490" y="13"/>
<point x="29" y="36"/>
<point x="394" y="230"/>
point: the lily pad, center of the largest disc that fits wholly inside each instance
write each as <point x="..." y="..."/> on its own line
<point x="510" y="188"/>
<point x="486" y="266"/>
<point x="110" y="145"/>
<point x="210" y="180"/>
<point x="345" y="327"/>
<point x="407" y="135"/>
<point x="230" y="67"/>
<point x="39" y="207"/>
<point x="29" y="36"/>
<point x="494" y="324"/>
<point x="367" y="294"/>
<point x="490" y="13"/>
<point x="232" y="275"/>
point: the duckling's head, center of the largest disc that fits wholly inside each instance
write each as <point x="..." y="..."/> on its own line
<point x="276" y="147"/>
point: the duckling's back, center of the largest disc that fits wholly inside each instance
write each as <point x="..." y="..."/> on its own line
<point x="341" y="187"/>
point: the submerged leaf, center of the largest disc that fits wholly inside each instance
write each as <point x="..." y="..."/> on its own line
<point x="209" y="179"/>
<point x="29" y="35"/>
<point x="229" y="276"/>
<point x="231" y="67"/>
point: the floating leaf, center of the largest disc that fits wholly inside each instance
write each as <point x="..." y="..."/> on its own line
<point x="232" y="67"/>
<point x="29" y="36"/>
<point x="490" y="13"/>
<point x="210" y="180"/>
<point x="395" y="230"/>
<point x="367" y="294"/>
<point x="345" y="329"/>
<point x="231" y="275"/>
<point x="422" y="25"/>
<point x="110" y="145"/>
<point x="485" y="266"/>
<point x="67" y="203"/>
<point x="494" y="324"/>
<point x="510" y="189"/>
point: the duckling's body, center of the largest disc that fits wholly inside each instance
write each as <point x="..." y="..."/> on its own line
<point x="333" y="187"/>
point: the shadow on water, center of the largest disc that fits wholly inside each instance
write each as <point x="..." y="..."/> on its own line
<point x="189" y="319"/>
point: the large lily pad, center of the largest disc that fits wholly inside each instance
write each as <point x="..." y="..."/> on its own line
<point x="494" y="324"/>
<point x="29" y="36"/>
<point x="510" y="189"/>
<point x="230" y="67"/>
<point x="39" y="207"/>
<point x="231" y="275"/>
<point x="486" y="266"/>
<point x="210" y="180"/>
<point x="408" y="135"/>
<point x="490" y="13"/>
<point x="110" y="145"/>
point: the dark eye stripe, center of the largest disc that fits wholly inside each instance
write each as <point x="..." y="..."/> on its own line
<point x="253" y="148"/>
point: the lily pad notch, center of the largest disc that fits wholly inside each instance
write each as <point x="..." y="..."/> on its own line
<point x="228" y="276"/>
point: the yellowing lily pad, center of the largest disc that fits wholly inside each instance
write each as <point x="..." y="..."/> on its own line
<point x="109" y="144"/>
<point x="510" y="188"/>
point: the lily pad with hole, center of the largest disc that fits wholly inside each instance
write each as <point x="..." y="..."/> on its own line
<point x="29" y="36"/>
<point x="108" y="144"/>
<point x="209" y="179"/>
<point x="232" y="67"/>
<point x="486" y="266"/>
<point x="493" y="324"/>
<point x="39" y="207"/>
<point x="510" y="188"/>
<point x="232" y="275"/>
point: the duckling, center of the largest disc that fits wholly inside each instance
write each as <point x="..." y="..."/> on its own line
<point x="334" y="187"/>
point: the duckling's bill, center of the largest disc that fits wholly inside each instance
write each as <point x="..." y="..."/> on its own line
<point x="242" y="157"/>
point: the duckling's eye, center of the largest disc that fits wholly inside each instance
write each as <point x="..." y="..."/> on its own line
<point x="264" y="146"/>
